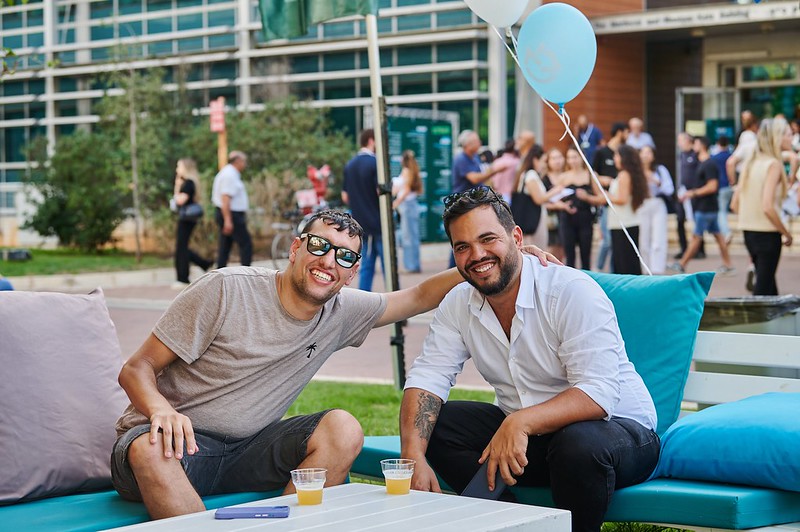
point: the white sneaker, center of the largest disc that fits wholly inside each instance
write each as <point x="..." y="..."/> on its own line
<point x="177" y="285"/>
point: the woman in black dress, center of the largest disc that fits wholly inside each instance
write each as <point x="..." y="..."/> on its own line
<point x="186" y="192"/>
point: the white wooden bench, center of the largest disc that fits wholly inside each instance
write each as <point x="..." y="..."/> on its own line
<point x="693" y="505"/>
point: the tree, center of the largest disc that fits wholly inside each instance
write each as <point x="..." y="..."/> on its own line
<point x="280" y="142"/>
<point x="80" y="200"/>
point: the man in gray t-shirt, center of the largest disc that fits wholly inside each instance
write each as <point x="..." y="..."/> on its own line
<point x="211" y="384"/>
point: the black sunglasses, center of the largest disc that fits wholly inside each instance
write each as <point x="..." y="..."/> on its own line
<point x="316" y="245"/>
<point x="475" y="194"/>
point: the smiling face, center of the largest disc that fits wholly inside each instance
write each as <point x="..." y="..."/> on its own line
<point x="486" y="254"/>
<point x="315" y="278"/>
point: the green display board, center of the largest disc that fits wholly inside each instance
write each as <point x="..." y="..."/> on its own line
<point x="430" y="136"/>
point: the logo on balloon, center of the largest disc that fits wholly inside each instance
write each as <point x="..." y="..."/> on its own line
<point x="542" y="64"/>
<point x="558" y="50"/>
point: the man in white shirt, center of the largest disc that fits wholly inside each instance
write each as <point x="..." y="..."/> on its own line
<point x="571" y="413"/>
<point x="638" y="137"/>
<point x="229" y="196"/>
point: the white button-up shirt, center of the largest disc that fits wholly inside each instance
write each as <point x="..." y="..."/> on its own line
<point x="228" y="182"/>
<point x="564" y="334"/>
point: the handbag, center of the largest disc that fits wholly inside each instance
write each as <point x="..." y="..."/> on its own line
<point x="191" y="212"/>
<point x="525" y="211"/>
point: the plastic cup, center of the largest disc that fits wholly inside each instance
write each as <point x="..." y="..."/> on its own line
<point x="398" y="473"/>
<point x="309" y="483"/>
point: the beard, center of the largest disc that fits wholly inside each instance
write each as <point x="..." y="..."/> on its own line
<point x="301" y="285"/>
<point x="508" y="268"/>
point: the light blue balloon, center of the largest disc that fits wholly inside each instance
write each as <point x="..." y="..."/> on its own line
<point x="557" y="50"/>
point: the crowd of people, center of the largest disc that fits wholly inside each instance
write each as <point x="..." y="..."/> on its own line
<point x="637" y="193"/>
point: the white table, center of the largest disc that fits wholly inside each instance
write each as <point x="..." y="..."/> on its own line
<point x="356" y="507"/>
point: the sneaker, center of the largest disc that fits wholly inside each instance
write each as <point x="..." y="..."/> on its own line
<point x="750" y="278"/>
<point x="178" y="285"/>
<point x="700" y="255"/>
<point x="679" y="256"/>
<point x="726" y="270"/>
<point x="676" y="267"/>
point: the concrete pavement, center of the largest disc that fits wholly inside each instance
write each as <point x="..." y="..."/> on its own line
<point x="137" y="299"/>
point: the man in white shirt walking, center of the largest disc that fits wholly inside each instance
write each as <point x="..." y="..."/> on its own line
<point x="229" y="196"/>
<point x="571" y="413"/>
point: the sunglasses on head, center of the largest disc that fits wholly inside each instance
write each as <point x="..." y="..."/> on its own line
<point x="475" y="194"/>
<point x="316" y="245"/>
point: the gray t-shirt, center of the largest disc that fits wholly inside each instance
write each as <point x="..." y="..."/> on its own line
<point x="242" y="359"/>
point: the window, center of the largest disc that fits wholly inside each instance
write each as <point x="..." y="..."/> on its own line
<point x="453" y="18"/>
<point x="414" y="84"/>
<point x="101" y="9"/>
<point x="414" y="22"/>
<point x="343" y="61"/>
<point x="159" y="25"/>
<point x="414" y="55"/>
<point x="128" y="7"/>
<point x="158" y="5"/>
<point x="13" y="176"/>
<point x="305" y="63"/>
<point x="769" y="72"/>
<point x="455" y="81"/>
<point x="454" y="52"/>
<point x="12" y="21"/>
<point x="337" y="89"/>
<point x="221" y="18"/>
<point x="338" y="30"/>
<point x="307" y="90"/>
<point x="190" y="45"/>
<point x="190" y="22"/>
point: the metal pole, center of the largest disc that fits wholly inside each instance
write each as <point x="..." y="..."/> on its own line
<point x="385" y="188"/>
<point x="137" y="210"/>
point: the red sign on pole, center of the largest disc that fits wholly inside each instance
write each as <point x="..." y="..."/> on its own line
<point x="217" y="108"/>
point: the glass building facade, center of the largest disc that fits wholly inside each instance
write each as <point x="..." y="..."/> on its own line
<point x="433" y="56"/>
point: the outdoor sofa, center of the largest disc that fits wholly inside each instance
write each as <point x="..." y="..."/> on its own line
<point x="59" y="401"/>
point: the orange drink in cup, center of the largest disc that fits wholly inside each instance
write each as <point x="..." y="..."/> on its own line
<point x="309" y="483"/>
<point x="398" y="473"/>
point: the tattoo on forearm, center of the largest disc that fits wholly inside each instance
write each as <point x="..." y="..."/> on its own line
<point x="429" y="406"/>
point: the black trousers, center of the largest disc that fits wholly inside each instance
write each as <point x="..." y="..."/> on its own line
<point x="765" y="250"/>
<point x="583" y="463"/>
<point x="240" y="235"/>
<point x="184" y="255"/>
<point x="623" y="256"/>
<point x="577" y="229"/>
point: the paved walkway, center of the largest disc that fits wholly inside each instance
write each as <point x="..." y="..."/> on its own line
<point x="137" y="299"/>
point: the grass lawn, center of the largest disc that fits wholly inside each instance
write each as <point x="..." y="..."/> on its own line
<point x="376" y="406"/>
<point x="51" y="261"/>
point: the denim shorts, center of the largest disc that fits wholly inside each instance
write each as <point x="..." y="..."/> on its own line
<point x="706" y="222"/>
<point x="261" y="462"/>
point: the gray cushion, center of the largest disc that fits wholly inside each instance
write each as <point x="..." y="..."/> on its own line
<point x="59" y="398"/>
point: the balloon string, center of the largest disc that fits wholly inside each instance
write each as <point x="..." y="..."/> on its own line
<point x="563" y="116"/>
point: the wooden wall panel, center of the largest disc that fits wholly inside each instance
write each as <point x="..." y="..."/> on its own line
<point x="614" y="93"/>
<point x="616" y="89"/>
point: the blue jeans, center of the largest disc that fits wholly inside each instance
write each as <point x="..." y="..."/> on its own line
<point x="371" y="250"/>
<point x="409" y="226"/>
<point x="724" y="198"/>
<point x="583" y="463"/>
<point x="605" y="245"/>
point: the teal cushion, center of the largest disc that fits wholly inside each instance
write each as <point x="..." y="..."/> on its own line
<point x="96" y="511"/>
<point x="688" y="502"/>
<point x="752" y="442"/>
<point x="658" y="317"/>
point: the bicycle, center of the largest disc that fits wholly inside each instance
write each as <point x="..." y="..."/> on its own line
<point x="286" y="232"/>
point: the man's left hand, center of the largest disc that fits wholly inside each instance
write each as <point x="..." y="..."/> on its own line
<point x="543" y="256"/>
<point x="507" y="451"/>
